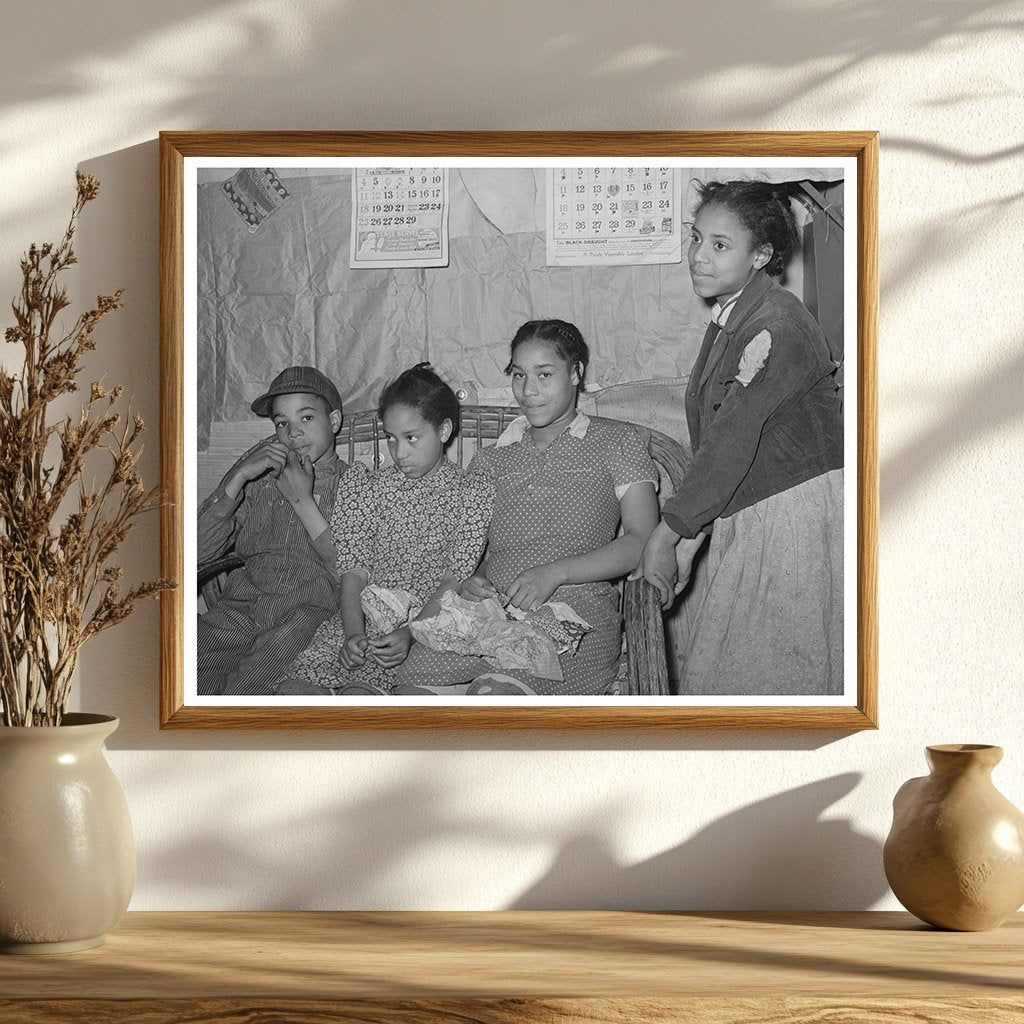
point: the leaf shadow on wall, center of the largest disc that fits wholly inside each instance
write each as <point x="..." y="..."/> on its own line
<point x="942" y="236"/>
<point x="778" y="853"/>
<point x="969" y="412"/>
<point x="416" y="842"/>
<point x="990" y="405"/>
<point x="437" y="63"/>
<point x="319" y="66"/>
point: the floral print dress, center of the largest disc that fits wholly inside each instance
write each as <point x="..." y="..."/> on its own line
<point x="404" y="534"/>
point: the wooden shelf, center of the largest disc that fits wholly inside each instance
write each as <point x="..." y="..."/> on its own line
<point x="506" y="968"/>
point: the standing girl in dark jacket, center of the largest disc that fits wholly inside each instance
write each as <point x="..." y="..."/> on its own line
<point x="766" y="481"/>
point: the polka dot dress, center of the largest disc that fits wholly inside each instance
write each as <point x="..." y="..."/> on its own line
<point x="552" y="504"/>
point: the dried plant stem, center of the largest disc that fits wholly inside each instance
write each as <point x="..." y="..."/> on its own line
<point x="58" y="588"/>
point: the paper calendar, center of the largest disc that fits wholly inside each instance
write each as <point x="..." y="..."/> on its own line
<point x="602" y="216"/>
<point x="399" y="217"/>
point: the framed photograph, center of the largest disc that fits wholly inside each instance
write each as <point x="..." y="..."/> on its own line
<point x="519" y="430"/>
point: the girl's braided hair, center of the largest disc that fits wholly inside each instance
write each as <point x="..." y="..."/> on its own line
<point x="764" y="211"/>
<point x="420" y="388"/>
<point x="563" y="336"/>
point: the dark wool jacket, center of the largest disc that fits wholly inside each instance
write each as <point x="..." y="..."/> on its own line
<point x="757" y="427"/>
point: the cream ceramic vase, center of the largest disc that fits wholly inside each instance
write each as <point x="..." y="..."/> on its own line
<point x="955" y="855"/>
<point x="67" y="855"/>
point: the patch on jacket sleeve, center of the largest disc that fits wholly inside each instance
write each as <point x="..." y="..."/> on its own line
<point x="755" y="355"/>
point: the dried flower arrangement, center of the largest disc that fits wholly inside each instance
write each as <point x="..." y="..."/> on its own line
<point x="57" y="534"/>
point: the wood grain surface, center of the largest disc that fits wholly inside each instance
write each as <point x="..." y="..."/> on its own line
<point x="176" y="146"/>
<point x="524" y="966"/>
<point x="515" y="1011"/>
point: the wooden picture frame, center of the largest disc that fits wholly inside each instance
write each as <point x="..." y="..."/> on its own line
<point x="857" y="709"/>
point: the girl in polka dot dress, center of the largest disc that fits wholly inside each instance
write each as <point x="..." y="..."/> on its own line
<point x="563" y="485"/>
<point x="419" y="525"/>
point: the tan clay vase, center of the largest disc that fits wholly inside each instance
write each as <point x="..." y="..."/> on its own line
<point x="67" y="856"/>
<point x="955" y="855"/>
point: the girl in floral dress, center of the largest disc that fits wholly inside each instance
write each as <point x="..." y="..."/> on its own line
<point x="417" y="526"/>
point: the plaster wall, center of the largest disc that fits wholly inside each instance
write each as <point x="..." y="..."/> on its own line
<point x="632" y="820"/>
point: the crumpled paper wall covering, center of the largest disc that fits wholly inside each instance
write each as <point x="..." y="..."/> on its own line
<point x="286" y="295"/>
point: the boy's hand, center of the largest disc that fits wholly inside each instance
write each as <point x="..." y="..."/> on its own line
<point x="530" y="589"/>
<point x="391" y="650"/>
<point x="269" y="456"/>
<point x="477" y="588"/>
<point x="295" y="480"/>
<point x="353" y="652"/>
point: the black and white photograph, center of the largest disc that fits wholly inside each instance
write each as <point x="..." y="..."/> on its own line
<point x="468" y="433"/>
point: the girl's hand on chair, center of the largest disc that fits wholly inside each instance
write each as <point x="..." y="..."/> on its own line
<point x="659" y="567"/>
<point x="530" y="589"/>
<point x="353" y="652"/>
<point x="391" y="650"/>
<point x="477" y="588"/>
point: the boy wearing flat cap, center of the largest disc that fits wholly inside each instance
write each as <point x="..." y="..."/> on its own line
<point x="273" y="505"/>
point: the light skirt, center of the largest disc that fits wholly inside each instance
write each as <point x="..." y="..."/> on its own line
<point x="765" y="615"/>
